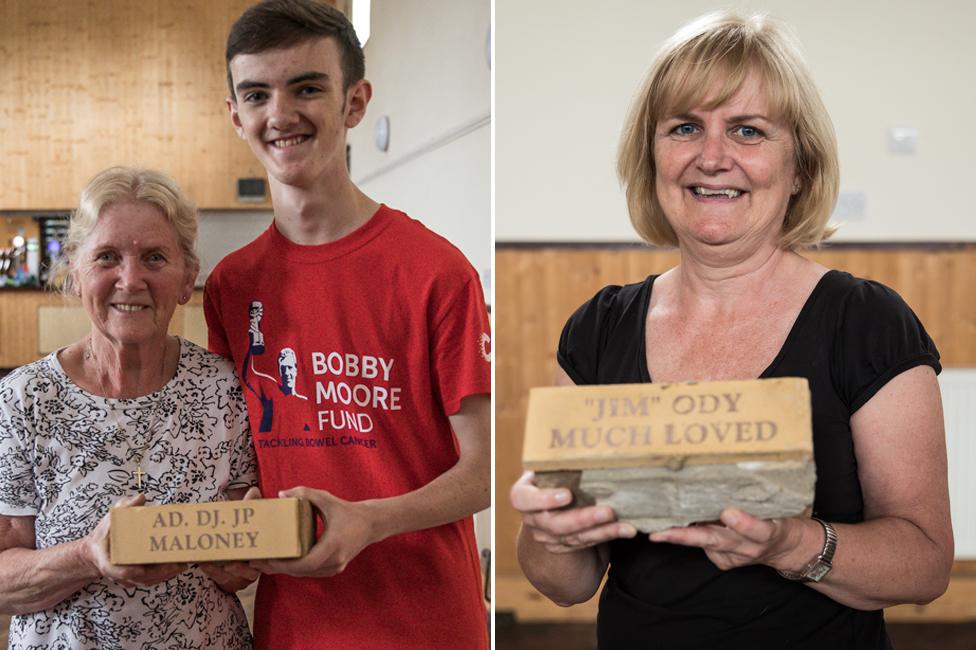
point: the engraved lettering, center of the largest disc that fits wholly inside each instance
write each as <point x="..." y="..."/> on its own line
<point x="683" y="404"/>
<point x="733" y="401"/>
<point x="635" y="409"/>
<point x="695" y="434"/>
<point x="610" y="440"/>
<point x="708" y="404"/>
<point x="742" y="432"/>
<point x="560" y="439"/>
<point x="763" y="426"/>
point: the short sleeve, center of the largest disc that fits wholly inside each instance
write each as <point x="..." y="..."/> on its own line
<point x="584" y="335"/>
<point x="461" y="347"/>
<point x="243" y="459"/>
<point x="216" y="336"/>
<point x="18" y="494"/>
<point x="880" y="337"/>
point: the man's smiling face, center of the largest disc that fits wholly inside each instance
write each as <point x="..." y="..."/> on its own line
<point x="291" y="109"/>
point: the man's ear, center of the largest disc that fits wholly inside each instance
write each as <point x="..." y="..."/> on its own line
<point x="234" y="117"/>
<point x="357" y="98"/>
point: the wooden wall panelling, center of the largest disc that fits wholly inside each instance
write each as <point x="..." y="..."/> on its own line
<point x="537" y="288"/>
<point x="33" y="323"/>
<point x="938" y="284"/>
<point x="92" y="84"/>
<point x="19" y="336"/>
<point x="194" y="324"/>
<point x="59" y="326"/>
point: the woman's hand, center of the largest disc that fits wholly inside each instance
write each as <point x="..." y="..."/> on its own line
<point x="740" y="539"/>
<point x="230" y="576"/>
<point x="564" y="531"/>
<point x="130" y="575"/>
<point x="233" y="576"/>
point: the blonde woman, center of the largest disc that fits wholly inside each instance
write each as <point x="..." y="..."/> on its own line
<point x="730" y="157"/>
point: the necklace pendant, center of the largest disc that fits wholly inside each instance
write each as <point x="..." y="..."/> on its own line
<point x="139" y="474"/>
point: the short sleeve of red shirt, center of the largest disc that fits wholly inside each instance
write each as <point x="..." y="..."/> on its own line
<point x="216" y="337"/>
<point x="461" y="347"/>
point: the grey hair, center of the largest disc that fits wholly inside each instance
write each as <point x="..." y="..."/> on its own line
<point x="118" y="185"/>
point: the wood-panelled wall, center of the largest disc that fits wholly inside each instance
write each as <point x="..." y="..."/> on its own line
<point x="537" y="288"/>
<point x="88" y="85"/>
<point x="27" y="333"/>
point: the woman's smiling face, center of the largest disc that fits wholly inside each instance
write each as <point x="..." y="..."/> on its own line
<point x="726" y="175"/>
<point x="131" y="273"/>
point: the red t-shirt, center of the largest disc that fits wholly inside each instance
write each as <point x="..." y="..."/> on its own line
<point x="352" y="355"/>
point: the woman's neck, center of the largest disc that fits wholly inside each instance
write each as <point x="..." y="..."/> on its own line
<point x="720" y="279"/>
<point x="125" y="371"/>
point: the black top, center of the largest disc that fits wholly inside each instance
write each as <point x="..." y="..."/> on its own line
<point x="850" y="338"/>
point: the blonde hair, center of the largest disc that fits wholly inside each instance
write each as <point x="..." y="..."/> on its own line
<point x="718" y="51"/>
<point x="121" y="184"/>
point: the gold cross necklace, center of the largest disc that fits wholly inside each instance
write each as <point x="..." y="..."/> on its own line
<point x="154" y="420"/>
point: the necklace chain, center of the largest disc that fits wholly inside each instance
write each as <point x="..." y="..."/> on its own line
<point x="154" y="418"/>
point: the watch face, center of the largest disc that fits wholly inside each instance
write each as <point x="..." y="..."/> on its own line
<point x="818" y="570"/>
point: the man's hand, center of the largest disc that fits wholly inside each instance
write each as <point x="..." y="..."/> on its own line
<point x="350" y="526"/>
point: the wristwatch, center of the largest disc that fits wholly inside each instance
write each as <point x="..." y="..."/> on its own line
<point x="821" y="565"/>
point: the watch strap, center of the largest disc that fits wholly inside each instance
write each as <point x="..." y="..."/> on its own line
<point x="821" y="565"/>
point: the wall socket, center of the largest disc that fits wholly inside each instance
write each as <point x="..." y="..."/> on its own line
<point x="851" y="206"/>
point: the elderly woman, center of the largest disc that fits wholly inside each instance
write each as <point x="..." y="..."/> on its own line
<point x="124" y="416"/>
<point x="730" y="156"/>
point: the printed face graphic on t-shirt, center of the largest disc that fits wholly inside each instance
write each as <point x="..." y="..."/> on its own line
<point x="288" y="369"/>
<point x="266" y="387"/>
<point x="349" y="390"/>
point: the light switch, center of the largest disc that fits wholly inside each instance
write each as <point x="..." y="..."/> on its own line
<point x="902" y="139"/>
<point x="381" y="133"/>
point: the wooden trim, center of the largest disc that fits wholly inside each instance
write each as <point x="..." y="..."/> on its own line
<point x="514" y="594"/>
<point x="830" y="246"/>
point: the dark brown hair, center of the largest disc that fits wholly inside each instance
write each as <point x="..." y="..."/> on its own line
<point x="275" y="24"/>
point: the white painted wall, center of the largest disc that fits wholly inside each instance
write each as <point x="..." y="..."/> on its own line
<point x="427" y="61"/>
<point x="958" y="386"/>
<point x="223" y="231"/>
<point x="567" y="71"/>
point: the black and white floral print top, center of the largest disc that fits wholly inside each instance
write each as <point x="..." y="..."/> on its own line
<point x="66" y="456"/>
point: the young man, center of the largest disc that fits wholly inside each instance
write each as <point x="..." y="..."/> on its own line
<point x="380" y="414"/>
